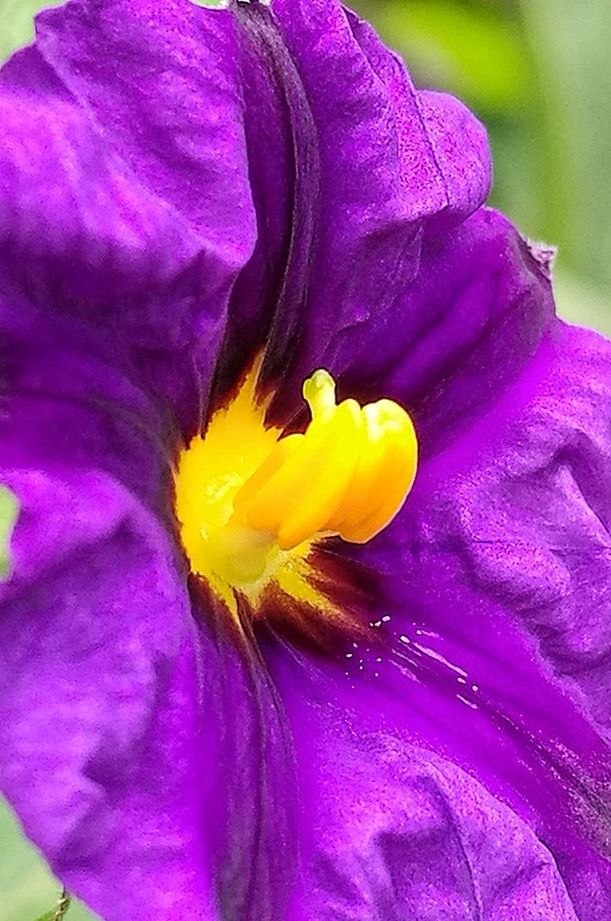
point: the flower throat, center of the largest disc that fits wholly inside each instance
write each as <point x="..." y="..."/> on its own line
<point x="252" y="504"/>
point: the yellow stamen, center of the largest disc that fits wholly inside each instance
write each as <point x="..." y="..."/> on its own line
<point x="251" y="503"/>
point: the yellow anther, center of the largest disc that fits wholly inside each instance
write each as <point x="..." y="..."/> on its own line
<point x="348" y="474"/>
<point x="250" y="502"/>
<point x="384" y="475"/>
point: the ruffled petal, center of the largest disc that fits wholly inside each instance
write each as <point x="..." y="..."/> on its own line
<point x="489" y="634"/>
<point x="519" y="503"/>
<point x="139" y="742"/>
<point x="364" y="258"/>
<point x="132" y="743"/>
<point x="363" y="167"/>
<point x="124" y="182"/>
<point x="102" y="733"/>
<point x="459" y="336"/>
<point x="193" y="225"/>
<point x="160" y="86"/>
<point x="66" y="405"/>
<point x="392" y="830"/>
<point x="454" y="339"/>
<point x="106" y="753"/>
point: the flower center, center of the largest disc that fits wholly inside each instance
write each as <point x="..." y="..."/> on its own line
<point x="252" y="503"/>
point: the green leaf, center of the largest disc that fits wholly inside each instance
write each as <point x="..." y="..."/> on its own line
<point x="8" y="516"/>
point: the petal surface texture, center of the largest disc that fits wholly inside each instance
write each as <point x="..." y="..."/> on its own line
<point x="180" y="190"/>
<point x="491" y="652"/>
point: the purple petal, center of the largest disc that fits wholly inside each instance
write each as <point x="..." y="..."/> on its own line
<point x="156" y="213"/>
<point x="124" y="186"/>
<point x="362" y="164"/>
<point x="133" y="744"/>
<point x="489" y="648"/>
<point x="459" y="336"/>
<point x="158" y="82"/>
<point x="392" y="830"/>
<point x="454" y="339"/>
<point x="366" y="259"/>
<point x="100" y="728"/>
<point x="66" y="405"/>
<point x="385" y="174"/>
<point x="529" y="483"/>
<point x="102" y="731"/>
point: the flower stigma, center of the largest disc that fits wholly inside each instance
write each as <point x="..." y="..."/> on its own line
<point x="252" y="503"/>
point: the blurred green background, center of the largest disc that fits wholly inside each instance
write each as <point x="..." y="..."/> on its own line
<point x="538" y="73"/>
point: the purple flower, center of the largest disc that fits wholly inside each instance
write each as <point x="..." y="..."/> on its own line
<point x="425" y="736"/>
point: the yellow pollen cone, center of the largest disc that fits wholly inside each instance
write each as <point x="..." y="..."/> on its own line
<point x="250" y="502"/>
<point x="348" y="474"/>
